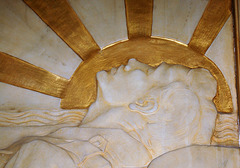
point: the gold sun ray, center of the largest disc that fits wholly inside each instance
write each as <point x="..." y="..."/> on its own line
<point x="81" y="90"/>
<point x="25" y="75"/>
<point x="60" y="16"/>
<point x="139" y="14"/>
<point x="214" y="17"/>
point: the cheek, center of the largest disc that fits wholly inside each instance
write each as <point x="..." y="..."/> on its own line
<point x="180" y="107"/>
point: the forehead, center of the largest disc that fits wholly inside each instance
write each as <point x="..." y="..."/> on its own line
<point x="126" y="84"/>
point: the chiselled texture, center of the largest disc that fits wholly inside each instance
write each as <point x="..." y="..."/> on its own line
<point x="81" y="91"/>
<point x="104" y="19"/>
<point x="59" y="15"/>
<point x="138" y="108"/>
<point x="42" y="118"/>
<point x="199" y="157"/>
<point x="176" y="19"/>
<point x="226" y="130"/>
<point x="212" y="21"/>
<point x="139" y="18"/>
<point x="24" y="35"/>
<point x="22" y="74"/>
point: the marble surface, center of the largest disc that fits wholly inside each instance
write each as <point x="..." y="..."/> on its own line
<point x="199" y="157"/>
<point x="24" y="35"/>
<point x="176" y="19"/>
<point x="15" y="99"/>
<point x="104" y="19"/>
<point x="42" y="118"/>
<point x="138" y="108"/>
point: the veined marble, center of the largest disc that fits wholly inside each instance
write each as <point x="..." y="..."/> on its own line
<point x="104" y="19"/>
<point x="24" y="35"/>
<point x="15" y="99"/>
<point x="138" y="108"/>
<point x="176" y="19"/>
<point x="42" y="118"/>
<point x="199" y="157"/>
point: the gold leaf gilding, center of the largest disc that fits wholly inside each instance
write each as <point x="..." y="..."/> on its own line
<point x="82" y="88"/>
<point x="214" y="17"/>
<point x="139" y="18"/>
<point x="60" y="16"/>
<point x="22" y="74"/>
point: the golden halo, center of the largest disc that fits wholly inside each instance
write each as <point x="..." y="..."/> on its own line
<point x="82" y="89"/>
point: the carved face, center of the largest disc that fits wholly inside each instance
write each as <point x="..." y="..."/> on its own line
<point x="170" y="103"/>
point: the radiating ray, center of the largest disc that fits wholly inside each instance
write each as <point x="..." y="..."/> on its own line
<point x="104" y="19"/>
<point x="177" y="20"/>
<point x="60" y="16"/>
<point x="212" y="21"/>
<point x="22" y="74"/>
<point x="139" y="15"/>
<point x="25" y="35"/>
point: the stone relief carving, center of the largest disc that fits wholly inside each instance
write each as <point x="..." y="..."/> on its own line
<point x="198" y="157"/>
<point x="41" y="118"/>
<point x="140" y="114"/>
